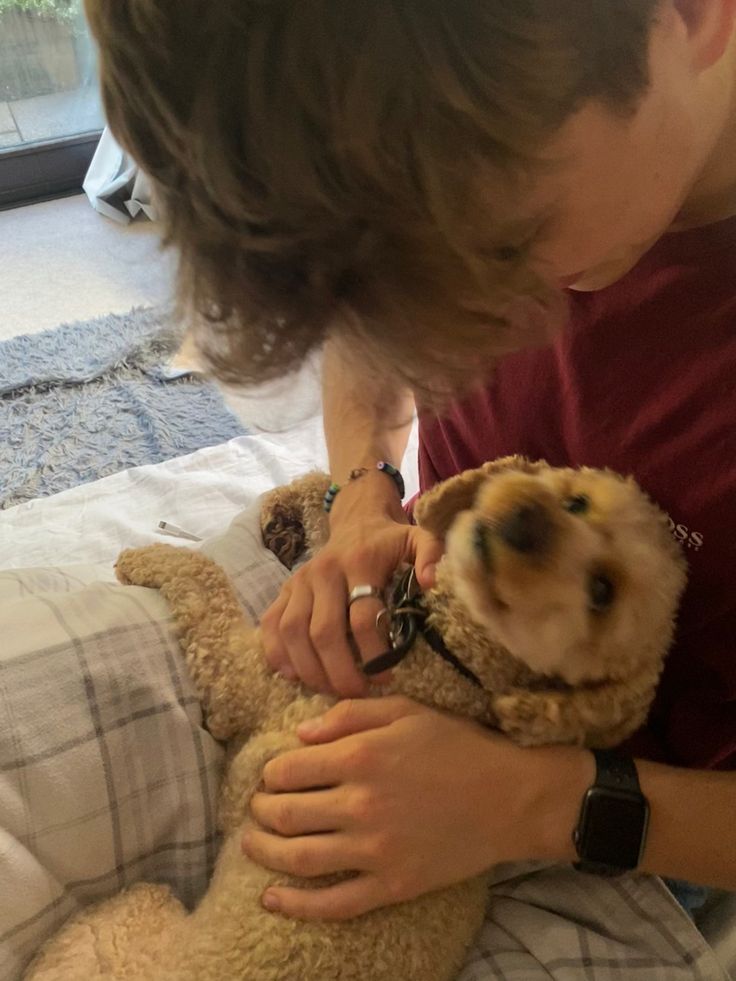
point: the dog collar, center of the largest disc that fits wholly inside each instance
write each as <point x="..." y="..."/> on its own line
<point x="408" y="615"/>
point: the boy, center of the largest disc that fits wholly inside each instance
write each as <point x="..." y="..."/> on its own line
<point x="414" y="184"/>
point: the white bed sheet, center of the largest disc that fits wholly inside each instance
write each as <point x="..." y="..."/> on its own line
<point x="200" y="493"/>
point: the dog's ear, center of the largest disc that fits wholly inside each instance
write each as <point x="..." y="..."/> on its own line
<point x="436" y="510"/>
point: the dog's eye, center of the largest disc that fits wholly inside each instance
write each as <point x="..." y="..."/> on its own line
<point x="578" y="504"/>
<point x="601" y="592"/>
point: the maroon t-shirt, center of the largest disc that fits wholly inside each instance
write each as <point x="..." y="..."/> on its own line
<point x="643" y="381"/>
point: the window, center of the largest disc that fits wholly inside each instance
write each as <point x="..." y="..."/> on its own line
<point x="50" y="112"/>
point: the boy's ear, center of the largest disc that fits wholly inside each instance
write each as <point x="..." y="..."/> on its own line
<point x="436" y="510"/>
<point x="710" y="25"/>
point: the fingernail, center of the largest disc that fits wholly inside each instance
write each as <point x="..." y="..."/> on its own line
<point x="271" y="902"/>
<point x="428" y="573"/>
<point x="309" y="727"/>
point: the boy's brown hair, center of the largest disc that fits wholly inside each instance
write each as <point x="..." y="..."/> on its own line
<point x="317" y="161"/>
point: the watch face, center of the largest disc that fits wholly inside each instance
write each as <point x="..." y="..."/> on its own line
<point x="613" y="828"/>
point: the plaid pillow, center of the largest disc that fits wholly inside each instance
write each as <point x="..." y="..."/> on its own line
<point x="107" y="774"/>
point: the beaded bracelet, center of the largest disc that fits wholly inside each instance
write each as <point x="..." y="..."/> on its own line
<point x="382" y="465"/>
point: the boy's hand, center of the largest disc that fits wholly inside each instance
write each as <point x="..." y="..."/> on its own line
<point x="306" y="631"/>
<point x="409" y="798"/>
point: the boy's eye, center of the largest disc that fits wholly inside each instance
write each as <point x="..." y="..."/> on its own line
<point x="578" y="504"/>
<point x="601" y="592"/>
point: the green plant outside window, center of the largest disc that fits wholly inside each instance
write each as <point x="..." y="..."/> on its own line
<point x="61" y="9"/>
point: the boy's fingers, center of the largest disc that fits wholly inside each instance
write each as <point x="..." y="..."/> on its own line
<point x="341" y="902"/>
<point x="429" y="551"/>
<point x="328" y="632"/>
<point x="357" y="715"/>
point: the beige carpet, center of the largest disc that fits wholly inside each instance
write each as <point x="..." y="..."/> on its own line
<point x="60" y="261"/>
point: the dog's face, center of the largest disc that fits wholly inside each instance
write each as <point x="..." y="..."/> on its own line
<point x="573" y="572"/>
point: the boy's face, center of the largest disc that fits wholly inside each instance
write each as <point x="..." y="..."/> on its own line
<point x="617" y="183"/>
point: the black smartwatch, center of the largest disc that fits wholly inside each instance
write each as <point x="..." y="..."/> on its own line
<point x="614" y="818"/>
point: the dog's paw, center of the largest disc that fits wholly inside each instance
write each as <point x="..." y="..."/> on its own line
<point x="150" y="565"/>
<point x="531" y="718"/>
<point x="124" y="566"/>
<point x="283" y="533"/>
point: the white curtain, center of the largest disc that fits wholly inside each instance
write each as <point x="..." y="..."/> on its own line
<point x="115" y="185"/>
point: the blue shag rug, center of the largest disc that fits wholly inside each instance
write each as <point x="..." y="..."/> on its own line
<point x="86" y="400"/>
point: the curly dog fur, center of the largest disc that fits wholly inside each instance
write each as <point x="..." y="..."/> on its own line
<point x="558" y="590"/>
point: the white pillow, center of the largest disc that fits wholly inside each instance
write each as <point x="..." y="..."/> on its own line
<point x="107" y="774"/>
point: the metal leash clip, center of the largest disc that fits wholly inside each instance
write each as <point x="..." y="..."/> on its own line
<point x="405" y="612"/>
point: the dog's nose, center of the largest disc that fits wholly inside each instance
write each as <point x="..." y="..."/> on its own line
<point x="528" y="529"/>
<point x="481" y="543"/>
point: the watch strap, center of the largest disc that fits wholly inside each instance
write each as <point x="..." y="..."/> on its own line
<point x="615" y="772"/>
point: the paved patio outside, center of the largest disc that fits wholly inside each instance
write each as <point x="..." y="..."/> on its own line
<point x="48" y="117"/>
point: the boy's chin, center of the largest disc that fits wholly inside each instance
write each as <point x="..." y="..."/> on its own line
<point x="607" y="273"/>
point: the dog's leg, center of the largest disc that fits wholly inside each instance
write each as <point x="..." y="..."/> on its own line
<point x="293" y="521"/>
<point x="128" y="936"/>
<point x="223" y="650"/>
<point x="597" y="717"/>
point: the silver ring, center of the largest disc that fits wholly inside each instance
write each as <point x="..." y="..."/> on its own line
<point x="364" y="592"/>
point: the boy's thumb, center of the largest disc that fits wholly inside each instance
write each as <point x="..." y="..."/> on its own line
<point x="429" y="552"/>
